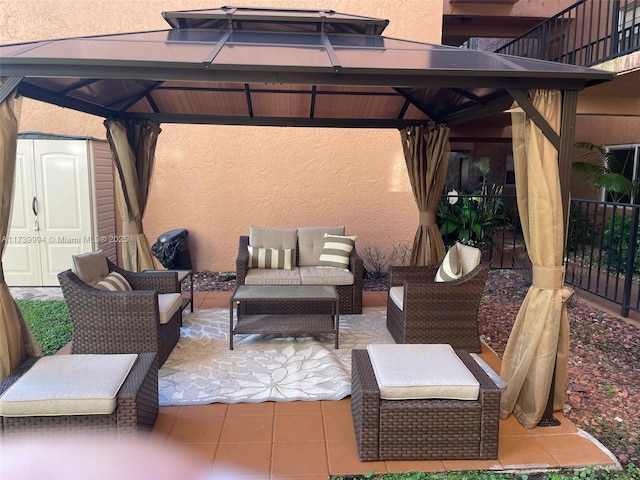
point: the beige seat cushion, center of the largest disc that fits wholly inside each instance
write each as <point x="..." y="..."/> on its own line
<point x="261" y="276"/>
<point x="311" y="242"/>
<point x="168" y="305"/>
<point x="420" y="371"/>
<point x="90" y="267"/>
<point x="325" y="276"/>
<point x="78" y="384"/>
<point x="396" y="294"/>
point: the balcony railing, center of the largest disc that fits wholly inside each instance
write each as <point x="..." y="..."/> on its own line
<point x="587" y="33"/>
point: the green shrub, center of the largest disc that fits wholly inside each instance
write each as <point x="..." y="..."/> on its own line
<point x="49" y="321"/>
<point x="615" y="242"/>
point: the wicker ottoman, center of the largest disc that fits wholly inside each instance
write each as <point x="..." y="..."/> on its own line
<point x="136" y="407"/>
<point x="427" y="429"/>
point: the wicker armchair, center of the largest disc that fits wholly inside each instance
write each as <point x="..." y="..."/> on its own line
<point x="435" y="312"/>
<point x="122" y="321"/>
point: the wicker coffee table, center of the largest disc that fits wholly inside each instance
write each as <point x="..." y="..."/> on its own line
<point x="302" y="296"/>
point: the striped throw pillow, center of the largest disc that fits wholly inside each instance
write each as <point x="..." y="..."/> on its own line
<point x="451" y="266"/>
<point x="276" y="258"/>
<point x="114" y="282"/>
<point x="336" y="251"/>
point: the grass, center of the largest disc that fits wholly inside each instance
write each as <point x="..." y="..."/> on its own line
<point x="49" y="321"/>
<point x="632" y="472"/>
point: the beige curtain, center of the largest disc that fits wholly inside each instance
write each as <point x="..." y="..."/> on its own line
<point x="540" y="334"/>
<point x="133" y="146"/>
<point x="426" y="153"/>
<point x="16" y="341"/>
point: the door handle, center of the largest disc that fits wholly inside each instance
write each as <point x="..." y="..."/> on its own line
<point x="34" y="206"/>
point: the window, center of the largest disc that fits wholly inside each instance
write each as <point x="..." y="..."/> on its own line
<point x="629" y="27"/>
<point x="628" y="159"/>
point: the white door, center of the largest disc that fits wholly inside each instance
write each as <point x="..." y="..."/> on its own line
<point x="53" y="216"/>
<point x="21" y="256"/>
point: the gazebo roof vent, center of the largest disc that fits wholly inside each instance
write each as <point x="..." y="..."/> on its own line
<point x="275" y="20"/>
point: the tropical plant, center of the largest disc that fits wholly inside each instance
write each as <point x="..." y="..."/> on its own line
<point x="472" y="218"/>
<point x="601" y="169"/>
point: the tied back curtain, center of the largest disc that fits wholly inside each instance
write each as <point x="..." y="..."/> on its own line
<point x="426" y="153"/>
<point x="133" y="146"/>
<point x="540" y="332"/>
<point x="16" y="341"/>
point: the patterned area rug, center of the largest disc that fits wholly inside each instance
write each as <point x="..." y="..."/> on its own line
<point x="201" y="369"/>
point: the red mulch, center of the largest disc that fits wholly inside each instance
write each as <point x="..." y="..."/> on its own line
<point x="603" y="395"/>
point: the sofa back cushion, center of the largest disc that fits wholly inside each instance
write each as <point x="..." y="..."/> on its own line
<point x="90" y="267"/>
<point x="311" y="241"/>
<point x="266" y="237"/>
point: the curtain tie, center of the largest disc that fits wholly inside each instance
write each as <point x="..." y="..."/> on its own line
<point x="548" y="278"/>
<point x="132" y="227"/>
<point x="426" y="218"/>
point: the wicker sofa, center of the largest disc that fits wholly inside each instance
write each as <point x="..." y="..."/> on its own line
<point x="146" y="318"/>
<point x="306" y="245"/>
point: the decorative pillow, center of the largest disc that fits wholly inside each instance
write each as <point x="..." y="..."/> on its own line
<point x="469" y="257"/>
<point x="276" y="258"/>
<point x="114" y="282"/>
<point x="336" y="251"/>
<point x="90" y="267"/>
<point x="451" y="266"/>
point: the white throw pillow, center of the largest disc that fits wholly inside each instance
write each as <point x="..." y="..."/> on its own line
<point x="458" y="262"/>
<point x="451" y="266"/>
<point x="336" y="252"/>
<point x="469" y="257"/>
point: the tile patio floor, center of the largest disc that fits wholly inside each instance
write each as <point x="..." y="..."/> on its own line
<point x="313" y="440"/>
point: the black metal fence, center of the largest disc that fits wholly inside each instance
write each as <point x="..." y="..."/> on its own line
<point x="586" y="33"/>
<point x="602" y="254"/>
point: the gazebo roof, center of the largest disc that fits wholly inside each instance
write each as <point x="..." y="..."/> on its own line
<point x="249" y="66"/>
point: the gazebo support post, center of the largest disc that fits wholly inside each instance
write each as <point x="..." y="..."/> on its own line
<point x="567" y="130"/>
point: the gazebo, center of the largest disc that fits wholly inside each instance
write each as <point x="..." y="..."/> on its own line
<point x="320" y="68"/>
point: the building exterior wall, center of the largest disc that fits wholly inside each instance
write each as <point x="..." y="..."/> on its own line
<point x="604" y="131"/>
<point x="536" y="8"/>
<point x="216" y="181"/>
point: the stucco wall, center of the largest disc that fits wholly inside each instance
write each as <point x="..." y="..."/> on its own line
<point x="216" y="181"/>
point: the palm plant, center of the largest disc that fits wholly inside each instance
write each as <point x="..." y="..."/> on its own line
<point x="601" y="169"/>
